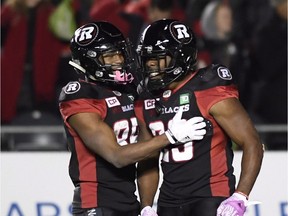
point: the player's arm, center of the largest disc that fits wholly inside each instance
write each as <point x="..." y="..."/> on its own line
<point x="233" y="118"/>
<point x="147" y="172"/>
<point x="100" y="138"/>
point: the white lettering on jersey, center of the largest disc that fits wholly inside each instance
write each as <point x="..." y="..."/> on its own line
<point x="167" y="110"/>
<point x="72" y="87"/>
<point x="127" y="107"/>
<point x="126" y="131"/>
<point x="149" y="104"/>
<point x="112" y="102"/>
<point x="224" y="73"/>
<point x="179" y="153"/>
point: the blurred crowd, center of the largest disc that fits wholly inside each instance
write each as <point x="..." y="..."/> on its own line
<point x="249" y="37"/>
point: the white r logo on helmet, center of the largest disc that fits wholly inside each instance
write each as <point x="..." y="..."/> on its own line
<point x="86" y="34"/>
<point x="180" y="33"/>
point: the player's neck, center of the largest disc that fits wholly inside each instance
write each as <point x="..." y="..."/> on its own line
<point x="176" y="84"/>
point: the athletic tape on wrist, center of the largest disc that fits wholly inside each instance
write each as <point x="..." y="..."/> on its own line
<point x="170" y="137"/>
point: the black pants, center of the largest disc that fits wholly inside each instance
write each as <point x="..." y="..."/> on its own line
<point x="105" y="212"/>
<point x="202" y="207"/>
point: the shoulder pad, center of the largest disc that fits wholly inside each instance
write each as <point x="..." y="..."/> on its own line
<point x="71" y="87"/>
<point x="75" y="90"/>
<point x="222" y="72"/>
<point x="215" y="75"/>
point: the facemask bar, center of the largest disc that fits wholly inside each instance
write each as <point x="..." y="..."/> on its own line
<point x="169" y="73"/>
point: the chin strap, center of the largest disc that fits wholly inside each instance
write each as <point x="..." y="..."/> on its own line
<point x="77" y="66"/>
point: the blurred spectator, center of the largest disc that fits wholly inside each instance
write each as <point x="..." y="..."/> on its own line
<point x="79" y="9"/>
<point x="193" y="12"/>
<point x="111" y="11"/>
<point x="141" y="13"/>
<point x="30" y="56"/>
<point x="137" y="8"/>
<point x="269" y="73"/>
<point x="221" y="41"/>
<point x="249" y="16"/>
<point x="216" y="26"/>
<point x="217" y="21"/>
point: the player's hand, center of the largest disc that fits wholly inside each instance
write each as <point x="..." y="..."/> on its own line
<point x="181" y="130"/>
<point x="148" y="211"/>
<point x="235" y="205"/>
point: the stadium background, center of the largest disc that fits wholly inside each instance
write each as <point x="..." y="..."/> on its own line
<point x="34" y="158"/>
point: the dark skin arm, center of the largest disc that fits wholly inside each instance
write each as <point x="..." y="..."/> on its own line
<point x="147" y="172"/>
<point x="232" y="117"/>
<point x="100" y="139"/>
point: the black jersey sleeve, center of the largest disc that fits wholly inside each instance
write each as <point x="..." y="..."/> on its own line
<point x="215" y="83"/>
<point x="78" y="89"/>
<point x="77" y="97"/>
<point x="212" y="76"/>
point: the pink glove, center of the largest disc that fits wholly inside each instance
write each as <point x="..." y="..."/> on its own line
<point x="148" y="211"/>
<point x="235" y="205"/>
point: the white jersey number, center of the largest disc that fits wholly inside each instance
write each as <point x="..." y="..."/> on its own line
<point x="124" y="133"/>
<point x="180" y="153"/>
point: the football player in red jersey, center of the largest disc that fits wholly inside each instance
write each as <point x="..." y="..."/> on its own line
<point x="101" y="126"/>
<point x="198" y="177"/>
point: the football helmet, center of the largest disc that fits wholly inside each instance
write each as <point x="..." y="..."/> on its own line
<point x="88" y="45"/>
<point x="166" y="37"/>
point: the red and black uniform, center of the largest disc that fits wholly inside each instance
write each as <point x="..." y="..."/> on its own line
<point x="99" y="184"/>
<point x="198" y="169"/>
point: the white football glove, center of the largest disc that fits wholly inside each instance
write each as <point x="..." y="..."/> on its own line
<point x="235" y="205"/>
<point x="184" y="131"/>
<point x="148" y="211"/>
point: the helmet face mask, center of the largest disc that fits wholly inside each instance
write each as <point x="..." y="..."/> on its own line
<point x="157" y="68"/>
<point x="94" y="42"/>
<point x="170" y="38"/>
